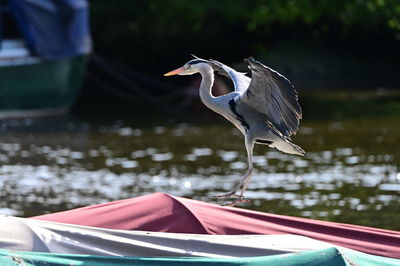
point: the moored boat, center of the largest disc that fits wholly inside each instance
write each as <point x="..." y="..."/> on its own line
<point x="41" y="73"/>
<point x="160" y="229"/>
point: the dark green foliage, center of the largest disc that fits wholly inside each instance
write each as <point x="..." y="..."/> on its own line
<point x="139" y="33"/>
<point x="174" y="16"/>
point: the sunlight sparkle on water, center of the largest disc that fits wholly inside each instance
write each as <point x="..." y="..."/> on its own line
<point x="342" y="176"/>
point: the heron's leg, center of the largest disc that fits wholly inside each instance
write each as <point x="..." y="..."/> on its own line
<point x="242" y="184"/>
<point x="246" y="178"/>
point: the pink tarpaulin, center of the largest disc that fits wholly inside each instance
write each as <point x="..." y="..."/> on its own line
<point x="161" y="212"/>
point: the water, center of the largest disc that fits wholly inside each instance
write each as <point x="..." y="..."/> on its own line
<point x="350" y="173"/>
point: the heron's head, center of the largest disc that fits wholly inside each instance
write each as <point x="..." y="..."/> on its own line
<point x="192" y="67"/>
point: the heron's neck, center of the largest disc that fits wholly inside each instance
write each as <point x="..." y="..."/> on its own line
<point x="207" y="82"/>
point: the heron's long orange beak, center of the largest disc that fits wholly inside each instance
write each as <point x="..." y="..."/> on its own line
<point x="174" y="72"/>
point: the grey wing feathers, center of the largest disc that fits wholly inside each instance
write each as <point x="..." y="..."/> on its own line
<point x="240" y="81"/>
<point x="272" y="94"/>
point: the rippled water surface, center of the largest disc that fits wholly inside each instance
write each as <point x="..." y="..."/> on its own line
<point x="349" y="174"/>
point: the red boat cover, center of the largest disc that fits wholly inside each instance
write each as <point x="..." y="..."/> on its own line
<point x="161" y="212"/>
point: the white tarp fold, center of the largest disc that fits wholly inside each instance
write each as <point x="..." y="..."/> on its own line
<point x="24" y="234"/>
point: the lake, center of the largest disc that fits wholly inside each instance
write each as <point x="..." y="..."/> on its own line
<point x="350" y="173"/>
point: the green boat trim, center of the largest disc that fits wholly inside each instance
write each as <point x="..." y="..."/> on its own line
<point x="31" y="86"/>
<point x="330" y="256"/>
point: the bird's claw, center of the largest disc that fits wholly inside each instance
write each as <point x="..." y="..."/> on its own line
<point x="228" y="195"/>
<point x="239" y="198"/>
<point x="237" y="201"/>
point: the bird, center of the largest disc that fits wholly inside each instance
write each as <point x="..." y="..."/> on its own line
<point x="265" y="108"/>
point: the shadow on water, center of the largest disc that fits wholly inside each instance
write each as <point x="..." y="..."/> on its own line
<point x="350" y="173"/>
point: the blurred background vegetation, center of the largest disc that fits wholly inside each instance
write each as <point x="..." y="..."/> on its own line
<point x="325" y="40"/>
<point x="319" y="45"/>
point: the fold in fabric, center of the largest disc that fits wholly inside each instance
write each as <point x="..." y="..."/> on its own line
<point x="162" y="212"/>
<point x="32" y="242"/>
<point x="22" y="234"/>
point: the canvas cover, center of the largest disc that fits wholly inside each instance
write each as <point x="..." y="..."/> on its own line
<point x="22" y="234"/>
<point x="26" y="241"/>
<point x="162" y="212"/>
<point x="54" y="29"/>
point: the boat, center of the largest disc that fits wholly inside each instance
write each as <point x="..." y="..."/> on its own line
<point x="162" y="229"/>
<point x="41" y="73"/>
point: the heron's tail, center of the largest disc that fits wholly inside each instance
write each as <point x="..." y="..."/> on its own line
<point x="288" y="147"/>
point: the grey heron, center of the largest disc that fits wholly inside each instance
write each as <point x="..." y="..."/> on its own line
<point x="264" y="108"/>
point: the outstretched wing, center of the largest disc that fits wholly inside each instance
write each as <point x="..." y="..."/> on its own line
<point x="240" y="81"/>
<point x="273" y="95"/>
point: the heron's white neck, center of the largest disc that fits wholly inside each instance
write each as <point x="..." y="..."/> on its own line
<point x="207" y="81"/>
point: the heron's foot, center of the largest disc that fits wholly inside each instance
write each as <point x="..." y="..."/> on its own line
<point x="238" y="198"/>
<point x="237" y="201"/>
<point x="228" y="195"/>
